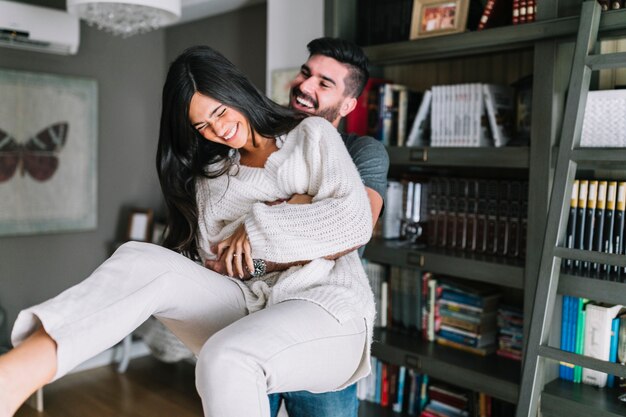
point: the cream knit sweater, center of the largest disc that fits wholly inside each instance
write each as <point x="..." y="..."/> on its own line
<point x="311" y="159"/>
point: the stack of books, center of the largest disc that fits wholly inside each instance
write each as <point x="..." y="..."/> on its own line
<point x="510" y="332"/>
<point x="446" y="400"/>
<point x="468" y="317"/>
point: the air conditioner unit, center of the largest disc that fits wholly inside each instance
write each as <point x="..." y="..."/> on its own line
<point x="38" y="28"/>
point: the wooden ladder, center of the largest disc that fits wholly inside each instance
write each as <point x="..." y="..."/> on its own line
<point x="538" y="352"/>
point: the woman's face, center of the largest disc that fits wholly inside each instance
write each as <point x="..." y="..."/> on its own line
<point x="218" y="123"/>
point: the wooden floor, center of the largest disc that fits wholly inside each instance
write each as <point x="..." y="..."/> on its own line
<point x="148" y="389"/>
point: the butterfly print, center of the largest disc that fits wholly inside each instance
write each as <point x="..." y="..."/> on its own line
<point x="38" y="156"/>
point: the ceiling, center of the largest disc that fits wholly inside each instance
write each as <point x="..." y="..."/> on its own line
<point x="191" y="9"/>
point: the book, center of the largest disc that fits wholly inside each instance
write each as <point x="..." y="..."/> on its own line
<point x="580" y="219"/>
<point x="496" y="13"/>
<point x="618" y="226"/>
<point x="590" y="213"/>
<point x="482" y="351"/>
<point x="499" y="104"/>
<point x="570" y="233"/>
<point x="610" y="379"/>
<point x="357" y="121"/>
<point x="599" y="226"/>
<point x="580" y="335"/>
<point x="609" y="221"/>
<point x="598" y="322"/>
<point x="420" y="129"/>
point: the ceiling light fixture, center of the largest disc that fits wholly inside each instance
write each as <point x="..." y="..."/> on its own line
<point x="126" y="17"/>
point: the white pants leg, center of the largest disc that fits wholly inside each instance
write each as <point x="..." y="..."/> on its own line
<point x="292" y="346"/>
<point x="138" y="281"/>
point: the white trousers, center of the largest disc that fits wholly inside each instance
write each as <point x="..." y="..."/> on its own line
<point x="292" y="346"/>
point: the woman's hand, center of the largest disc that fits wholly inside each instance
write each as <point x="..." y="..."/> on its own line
<point x="234" y="251"/>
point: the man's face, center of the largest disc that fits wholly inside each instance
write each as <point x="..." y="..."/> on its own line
<point x="319" y="89"/>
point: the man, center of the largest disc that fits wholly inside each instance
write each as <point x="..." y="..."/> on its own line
<point x="327" y="86"/>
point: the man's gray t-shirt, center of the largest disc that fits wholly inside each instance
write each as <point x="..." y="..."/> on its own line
<point x="371" y="160"/>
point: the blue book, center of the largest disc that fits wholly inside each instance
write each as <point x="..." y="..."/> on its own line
<point x="379" y="381"/>
<point x="610" y="380"/>
<point x="397" y="406"/>
<point x="572" y="335"/>
<point x="564" y="326"/>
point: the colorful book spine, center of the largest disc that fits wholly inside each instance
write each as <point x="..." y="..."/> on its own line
<point x="590" y="213"/>
<point x="580" y="219"/>
<point x="609" y="221"/>
<point x="570" y="234"/>
<point x="599" y="226"/>
<point x="618" y="227"/>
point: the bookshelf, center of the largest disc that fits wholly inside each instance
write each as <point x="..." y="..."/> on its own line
<point x="543" y="48"/>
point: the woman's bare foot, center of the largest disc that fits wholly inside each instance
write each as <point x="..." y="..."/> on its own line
<point x="25" y="369"/>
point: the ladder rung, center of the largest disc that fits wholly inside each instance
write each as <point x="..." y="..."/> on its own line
<point x="602" y="156"/>
<point x="606" y="61"/>
<point x="584" y="361"/>
<point x="590" y="256"/>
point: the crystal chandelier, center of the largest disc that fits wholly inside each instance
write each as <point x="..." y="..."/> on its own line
<point x="126" y="17"/>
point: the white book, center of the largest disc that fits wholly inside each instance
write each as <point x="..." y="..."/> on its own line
<point x="422" y="122"/>
<point x="392" y="218"/>
<point x="484" y="138"/>
<point x="500" y="105"/>
<point x="384" y="294"/>
<point x="598" y="320"/>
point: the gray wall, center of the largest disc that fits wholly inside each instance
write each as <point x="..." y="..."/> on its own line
<point x="240" y="36"/>
<point x="130" y="74"/>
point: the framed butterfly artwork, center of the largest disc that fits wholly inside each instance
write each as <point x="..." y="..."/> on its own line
<point x="48" y="145"/>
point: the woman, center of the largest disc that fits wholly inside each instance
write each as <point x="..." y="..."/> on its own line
<point x="226" y="155"/>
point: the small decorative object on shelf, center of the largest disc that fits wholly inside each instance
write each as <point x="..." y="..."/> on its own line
<point x="140" y="225"/>
<point x="438" y="17"/>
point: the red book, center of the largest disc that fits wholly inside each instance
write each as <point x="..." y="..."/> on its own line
<point x="358" y="120"/>
<point x="384" y="391"/>
<point x="515" y="13"/>
<point x="522" y="11"/>
<point x="496" y="13"/>
<point x="531" y="8"/>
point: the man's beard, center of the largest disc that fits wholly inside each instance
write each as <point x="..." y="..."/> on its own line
<point x="331" y="113"/>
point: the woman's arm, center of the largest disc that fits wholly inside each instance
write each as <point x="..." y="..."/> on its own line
<point x="339" y="217"/>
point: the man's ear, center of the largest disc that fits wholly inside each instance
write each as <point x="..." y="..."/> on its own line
<point x="348" y="105"/>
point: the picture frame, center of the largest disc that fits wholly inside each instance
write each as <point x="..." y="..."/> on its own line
<point x="438" y="17"/>
<point x="140" y="225"/>
<point x="281" y="81"/>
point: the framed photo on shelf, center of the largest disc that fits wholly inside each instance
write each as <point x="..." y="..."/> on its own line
<point x="140" y="225"/>
<point x="438" y="17"/>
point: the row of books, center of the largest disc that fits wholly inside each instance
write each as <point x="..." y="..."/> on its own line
<point x="462" y="315"/>
<point x="592" y="329"/>
<point x="407" y="391"/>
<point x="596" y="223"/>
<point x="474" y="215"/>
<point x="507" y="12"/>
<point x="380" y="22"/>
<point x="611" y="4"/>
<point x="469" y="115"/>
<point x="483" y="216"/>
<point x="460" y="115"/>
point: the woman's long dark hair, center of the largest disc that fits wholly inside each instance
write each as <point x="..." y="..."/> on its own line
<point x="183" y="155"/>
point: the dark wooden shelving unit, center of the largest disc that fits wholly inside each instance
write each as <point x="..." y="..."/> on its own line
<point x="564" y="398"/>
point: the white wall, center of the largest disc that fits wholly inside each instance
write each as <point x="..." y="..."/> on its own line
<point x="291" y="24"/>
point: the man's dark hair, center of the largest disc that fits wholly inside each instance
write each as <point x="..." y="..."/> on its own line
<point x="347" y="53"/>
